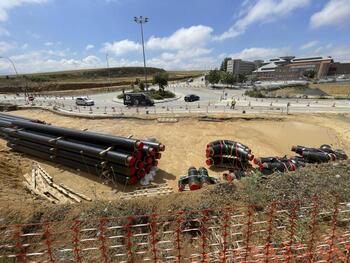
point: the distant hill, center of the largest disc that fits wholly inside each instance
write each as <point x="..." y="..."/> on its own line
<point x="87" y="79"/>
<point x="92" y="74"/>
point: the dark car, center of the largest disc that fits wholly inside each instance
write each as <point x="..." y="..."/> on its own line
<point x="191" y="97"/>
<point x="137" y="99"/>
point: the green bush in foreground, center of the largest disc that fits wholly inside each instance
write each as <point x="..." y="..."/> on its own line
<point x="154" y="94"/>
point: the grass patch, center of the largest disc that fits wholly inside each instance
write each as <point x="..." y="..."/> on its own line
<point x="254" y="93"/>
<point x="154" y="94"/>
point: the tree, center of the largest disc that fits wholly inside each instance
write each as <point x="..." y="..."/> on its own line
<point x="214" y="76"/>
<point x="309" y="74"/>
<point x="227" y="78"/>
<point x="223" y="66"/>
<point x="160" y="79"/>
<point x="241" y="78"/>
<point x="142" y="86"/>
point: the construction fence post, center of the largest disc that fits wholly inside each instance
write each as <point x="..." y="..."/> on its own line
<point x="76" y="241"/>
<point x="179" y="221"/>
<point x="312" y="233"/>
<point x="154" y="237"/>
<point x="249" y="232"/>
<point x="128" y="240"/>
<point x="19" y="246"/>
<point x="225" y="235"/>
<point x="333" y="233"/>
<point x="102" y="237"/>
<point x="47" y="237"/>
<point x="292" y="231"/>
<point x="204" y="237"/>
<point x="271" y="218"/>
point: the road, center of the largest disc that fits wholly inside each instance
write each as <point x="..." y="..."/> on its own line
<point x="210" y="100"/>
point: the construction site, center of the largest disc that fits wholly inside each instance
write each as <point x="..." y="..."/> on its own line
<point x="235" y="187"/>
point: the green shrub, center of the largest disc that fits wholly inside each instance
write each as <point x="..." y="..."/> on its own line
<point x="160" y="94"/>
<point x="254" y="93"/>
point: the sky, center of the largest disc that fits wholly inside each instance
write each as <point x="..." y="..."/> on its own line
<point x="54" y="35"/>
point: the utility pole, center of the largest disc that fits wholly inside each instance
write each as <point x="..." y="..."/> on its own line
<point x="143" y="20"/>
<point x="109" y="71"/>
<point x="15" y="70"/>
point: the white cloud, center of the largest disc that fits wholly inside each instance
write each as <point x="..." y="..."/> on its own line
<point x="262" y="11"/>
<point x="335" y="12"/>
<point x="121" y="47"/>
<point x="5" y="46"/>
<point x="6" y="5"/>
<point x="49" y="44"/>
<point x="309" y="44"/>
<point x="340" y="53"/>
<point x="194" y="36"/>
<point x="88" y="47"/>
<point x="260" y="53"/>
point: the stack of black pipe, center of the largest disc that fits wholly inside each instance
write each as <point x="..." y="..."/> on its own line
<point x="195" y="179"/>
<point x="269" y="165"/>
<point x="123" y="159"/>
<point x="228" y="153"/>
<point x="323" y="154"/>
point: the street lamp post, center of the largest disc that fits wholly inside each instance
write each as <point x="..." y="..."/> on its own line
<point x="142" y="20"/>
<point x="15" y="70"/>
<point x="109" y="70"/>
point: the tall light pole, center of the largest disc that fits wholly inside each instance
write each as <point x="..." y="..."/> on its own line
<point x="15" y="70"/>
<point x="142" y="20"/>
<point x="109" y="70"/>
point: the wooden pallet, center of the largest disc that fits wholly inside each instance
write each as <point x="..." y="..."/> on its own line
<point x="146" y="191"/>
<point x="40" y="183"/>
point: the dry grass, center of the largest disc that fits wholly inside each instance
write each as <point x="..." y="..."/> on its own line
<point x="333" y="89"/>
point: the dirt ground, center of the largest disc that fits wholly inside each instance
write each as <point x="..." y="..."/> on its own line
<point x="185" y="146"/>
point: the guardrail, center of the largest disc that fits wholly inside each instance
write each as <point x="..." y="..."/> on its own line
<point x="281" y="232"/>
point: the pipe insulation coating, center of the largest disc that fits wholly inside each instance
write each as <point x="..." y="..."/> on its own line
<point x="112" y="156"/>
<point x="103" y="139"/>
<point x="126" y="160"/>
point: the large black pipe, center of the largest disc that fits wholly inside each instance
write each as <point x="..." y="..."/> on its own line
<point x="45" y="155"/>
<point x="58" y="153"/>
<point x="85" y="168"/>
<point x="119" y="158"/>
<point x="31" y="145"/>
<point x="155" y="145"/>
<point x="136" y="153"/>
<point x="55" y="154"/>
<point x="228" y="142"/>
<point x="103" y="139"/>
<point x="13" y="117"/>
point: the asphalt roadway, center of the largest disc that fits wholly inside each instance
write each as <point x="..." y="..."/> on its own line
<point x="217" y="98"/>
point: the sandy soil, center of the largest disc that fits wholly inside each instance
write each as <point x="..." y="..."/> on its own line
<point x="185" y="143"/>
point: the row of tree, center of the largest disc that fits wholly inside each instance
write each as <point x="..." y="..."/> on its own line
<point x="215" y="76"/>
<point x="160" y="79"/>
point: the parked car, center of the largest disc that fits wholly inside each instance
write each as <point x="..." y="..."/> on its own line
<point x="31" y="98"/>
<point x="83" y="101"/>
<point x="191" y="97"/>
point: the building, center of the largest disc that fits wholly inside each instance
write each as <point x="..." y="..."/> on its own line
<point x="289" y="67"/>
<point x="339" y="69"/>
<point x="238" y="66"/>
